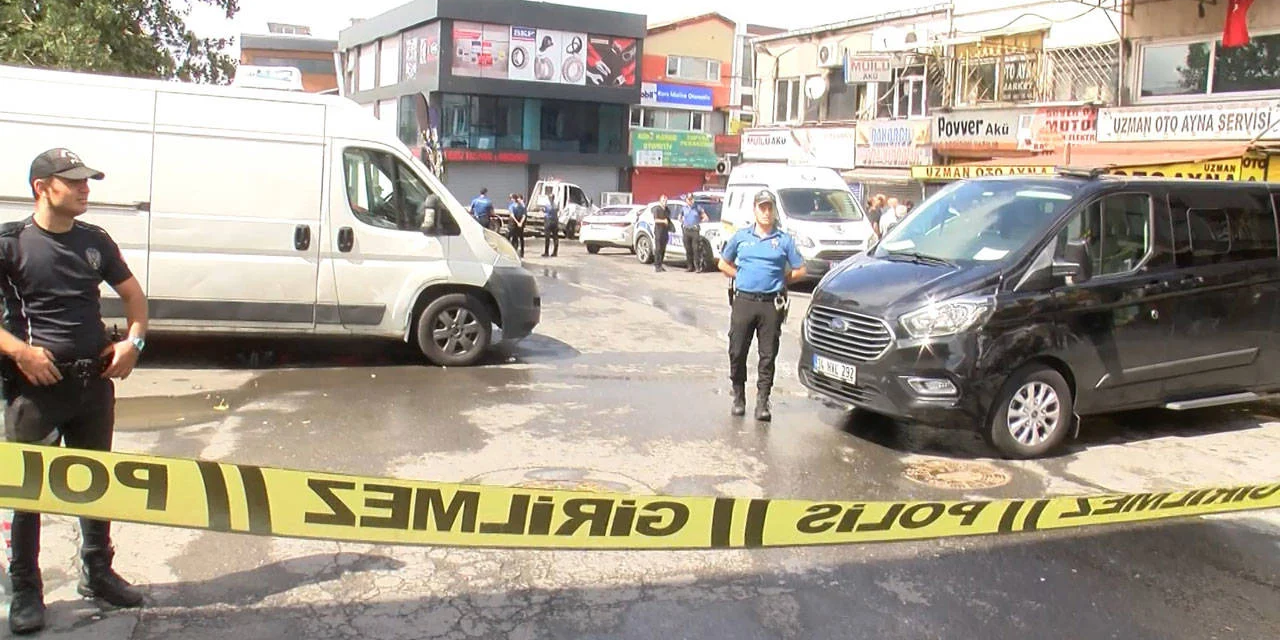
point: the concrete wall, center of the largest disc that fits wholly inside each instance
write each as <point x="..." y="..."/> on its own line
<point x="1180" y="19"/>
<point x="709" y="38"/>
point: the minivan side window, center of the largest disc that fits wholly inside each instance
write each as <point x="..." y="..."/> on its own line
<point x="1219" y="228"/>
<point x="382" y="191"/>
<point x="1117" y="231"/>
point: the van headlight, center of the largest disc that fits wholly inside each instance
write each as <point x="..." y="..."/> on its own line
<point x="501" y="246"/>
<point x="803" y="241"/>
<point x="946" y="318"/>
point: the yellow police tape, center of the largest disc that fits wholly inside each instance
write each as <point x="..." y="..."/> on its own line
<point x="240" y="498"/>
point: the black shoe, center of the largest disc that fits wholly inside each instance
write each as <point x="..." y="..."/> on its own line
<point x="26" y="610"/>
<point x="739" y="401"/>
<point x="762" y="408"/>
<point x="100" y="582"/>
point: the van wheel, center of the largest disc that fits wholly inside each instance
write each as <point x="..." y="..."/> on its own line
<point x="1034" y="412"/>
<point x="593" y="249"/>
<point x="644" y="250"/>
<point x="454" y="330"/>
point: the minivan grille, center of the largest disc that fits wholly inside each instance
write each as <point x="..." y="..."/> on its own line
<point x="863" y="339"/>
<point x="837" y="255"/>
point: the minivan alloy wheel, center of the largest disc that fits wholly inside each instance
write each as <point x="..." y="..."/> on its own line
<point x="456" y="331"/>
<point x="1034" y="414"/>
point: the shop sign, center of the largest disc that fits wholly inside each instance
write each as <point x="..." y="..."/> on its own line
<point x="661" y="94"/>
<point x="1217" y="121"/>
<point x="987" y="130"/>
<point x="1247" y="169"/>
<point x="477" y="155"/>
<point x="675" y="149"/>
<point x="858" y="69"/>
<point x="939" y="173"/>
<point x="528" y="54"/>
<point x="1050" y="128"/>
<point x="420" y="49"/>
<point x="895" y="143"/>
<point x="831" y="147"/>
<point x="728" y="143"/>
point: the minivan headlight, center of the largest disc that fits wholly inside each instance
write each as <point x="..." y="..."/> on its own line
<point x="501" y="245"/>
<point x="946" y="318"/>
<point x="802" y="240"/>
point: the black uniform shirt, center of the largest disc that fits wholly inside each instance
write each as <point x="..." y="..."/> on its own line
<point x="50" y="286"/>
<point x="661" y="215"/>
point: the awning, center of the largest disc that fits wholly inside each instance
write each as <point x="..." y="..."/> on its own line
<point x="1124" y="154"/>
<point x="878" y="174"/>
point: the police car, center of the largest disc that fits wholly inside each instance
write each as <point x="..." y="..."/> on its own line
<point x="612" y="226"/>
<point x="714" y="233"/>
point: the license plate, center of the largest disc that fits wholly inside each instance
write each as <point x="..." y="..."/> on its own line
<point x="838" y="370"/>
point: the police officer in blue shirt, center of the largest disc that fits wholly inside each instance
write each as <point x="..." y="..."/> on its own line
<point x="691" y="219"/>
<point x="515" y="232"/>
<point x="482" y="207"/>
<point x="761" y="260"/>
<point x="550" y="227"/>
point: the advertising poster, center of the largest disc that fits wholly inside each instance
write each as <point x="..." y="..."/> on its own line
<point x="659" y="94"/>
<point x="1050" y="128"/>
<point x="573" y="66"/>
<point x="897" y="143"/>
<point x="524" y="42"/>
<point x="1212" y="121"/>
<point x="611" y="62"/>
<point x="681" y="149"/>
<point x="420" y="52"/>
<point x="480" y="50"/>
<point x="547" y="55"/>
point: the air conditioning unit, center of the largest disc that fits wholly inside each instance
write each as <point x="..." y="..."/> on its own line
<point x="724" y="165"/>
<point x="829" y="55"/>
<point x="609" y="198"/>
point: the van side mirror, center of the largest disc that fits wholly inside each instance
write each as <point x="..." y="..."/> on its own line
<point x="1075" y="262"/>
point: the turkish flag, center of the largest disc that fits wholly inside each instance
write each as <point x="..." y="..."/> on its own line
<point x="1235" y="33"/>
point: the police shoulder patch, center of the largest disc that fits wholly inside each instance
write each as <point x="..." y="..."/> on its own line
<point x="91" y="227"/>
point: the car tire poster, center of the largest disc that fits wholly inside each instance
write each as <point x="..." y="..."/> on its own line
<point x="611" y="62"/>
<point x="480" y="50"/>
<point x="547" y="54"/>
<point x="524" y="41"/>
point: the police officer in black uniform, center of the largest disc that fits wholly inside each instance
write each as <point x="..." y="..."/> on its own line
<point x="59" y="361"/>
<point x="661" y="227"/>
<point x="762" y="261"/>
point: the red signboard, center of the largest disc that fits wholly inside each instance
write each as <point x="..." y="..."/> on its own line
<point x="726" y="144"/>
<point x="474" y="155"/>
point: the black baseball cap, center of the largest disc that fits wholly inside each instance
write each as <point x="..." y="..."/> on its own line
<point x="62" y="163"/>
<point x="765" y="196"/>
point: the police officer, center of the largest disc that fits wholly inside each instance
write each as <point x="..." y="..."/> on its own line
<point x="690" y="220"/>
<point x="59" y="361"/>
<point x="550" y="227"/>
<point x="516" y="231"/>
<point x="761" y="260"/>
<point x="482" y="208"/>
<point x="661" y="227"/>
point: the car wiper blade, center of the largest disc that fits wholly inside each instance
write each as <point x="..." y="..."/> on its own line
<point x="920" y="258"/>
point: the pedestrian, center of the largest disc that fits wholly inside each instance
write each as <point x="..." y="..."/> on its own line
<point x="60" y="360"/>
<point x="661" y="227"/>
<point x="550" y="227"/>
<point x="876" y="212"/>
<point x="890" y="215"/>
<point x="515" y="231"/>
<point x="691" y="223"/>
<point x="761" y="261"/>
<point x="482" y="208"/>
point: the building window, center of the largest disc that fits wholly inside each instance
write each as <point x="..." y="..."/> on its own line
<point x="697" y="122"/>
<point x="748" y="65"/>
<point x="637" y="116"/>
<point x="1205" y="67"/>
<point x="748" y="101"/>
<point x="1001" y="69"/>
<point x="649" y="118"/>
<point x="841" y="100"/>
<point x="909" y="99"/>
<point x="786" y="100"/>
<point x="687" y="68"/>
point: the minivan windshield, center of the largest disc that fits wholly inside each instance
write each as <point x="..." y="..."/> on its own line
<point x="975" y="221"/>
<point x="820" y="205"/>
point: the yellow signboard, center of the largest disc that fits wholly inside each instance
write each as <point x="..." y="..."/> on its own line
<point x="938" y="173"/>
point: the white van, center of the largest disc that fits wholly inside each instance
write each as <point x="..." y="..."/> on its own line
<point x="269" y="212"/>
<point x="814" y="205"/>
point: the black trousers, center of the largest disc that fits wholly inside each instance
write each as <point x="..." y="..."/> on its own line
<point x="551" y="234"/>
<point x="516" y="235"/>
<point x="82" y="411"/>
<point x="692" y="245"/>
<point x="761" y="319"/>
<point x="659" y="244"/>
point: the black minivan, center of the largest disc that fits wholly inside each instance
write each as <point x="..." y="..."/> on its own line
<point x="1015" y="305"/>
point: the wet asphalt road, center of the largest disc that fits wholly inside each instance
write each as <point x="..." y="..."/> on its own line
<point x="624" y="387"/>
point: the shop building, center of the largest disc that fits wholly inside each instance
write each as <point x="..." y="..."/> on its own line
<point x="499" y="94"/>
<point x="684" y="105"/>
<point x="292" y="47"/>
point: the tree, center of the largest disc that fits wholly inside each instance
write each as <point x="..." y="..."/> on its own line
<point x="141" y="38"/>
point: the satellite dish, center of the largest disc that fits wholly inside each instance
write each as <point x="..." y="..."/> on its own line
<point x="815" y="87"/>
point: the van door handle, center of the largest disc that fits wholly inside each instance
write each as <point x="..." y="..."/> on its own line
<point x="346" y="239"/>
<point x="1155" y="287"/>
<point x="302" y="237"/>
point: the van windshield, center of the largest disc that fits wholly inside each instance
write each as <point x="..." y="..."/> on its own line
<point x="976" y="221"/>
<point x="819" y="205"/>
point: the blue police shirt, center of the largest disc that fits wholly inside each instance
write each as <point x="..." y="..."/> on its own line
<point x="762" y="262"/>
<point x="552" y="213"/>
<point x="517" y="211"/>
<point x="692" y="216"/>
<point x="481" y="207"/>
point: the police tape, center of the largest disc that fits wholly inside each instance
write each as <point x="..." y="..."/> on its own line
<point x="214" y="496"/>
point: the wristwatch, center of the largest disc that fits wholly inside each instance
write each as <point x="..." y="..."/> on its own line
<point x="139" y="342"/>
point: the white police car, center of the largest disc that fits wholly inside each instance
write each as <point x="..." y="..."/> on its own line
<point x="612" y="226"/>
<point x="713" y="232"/>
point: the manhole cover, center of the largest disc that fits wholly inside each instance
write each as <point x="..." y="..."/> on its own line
<point x="951" y="474"/>
<point x="567" y="478"/>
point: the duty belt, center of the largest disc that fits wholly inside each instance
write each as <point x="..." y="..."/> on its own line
<point x="84" y="370"/>
<point x="762" y="297"/>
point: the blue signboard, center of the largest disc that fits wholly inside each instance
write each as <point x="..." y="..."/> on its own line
<point x="661" y="94"/>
